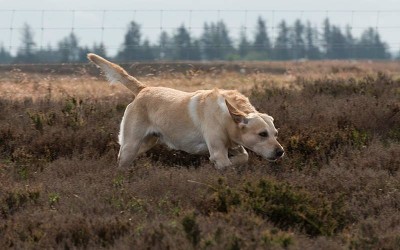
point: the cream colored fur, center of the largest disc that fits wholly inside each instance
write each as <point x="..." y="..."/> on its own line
<point x="219" y="122"/>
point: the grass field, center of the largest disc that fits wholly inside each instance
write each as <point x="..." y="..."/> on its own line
<point x="338" y="187"/>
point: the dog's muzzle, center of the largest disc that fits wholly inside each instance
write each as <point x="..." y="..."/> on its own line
<point x="279" y="152"/>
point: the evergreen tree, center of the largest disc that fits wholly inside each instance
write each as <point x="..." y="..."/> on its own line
<point x="370" y="46"/>
<point x="262" y="44"/>
<point x="165" y="46"/>
<point x="26" y="53"/>
<point x="338" y="44"/>
<point x="69" y="49"/>
<point x="207" y="42"/>
<point x="381" y="48"/>
<point x="297" y="43"/>
<point x="282" y="48"/>
<point x="195" y="53"/>
<point x="5" y="56"/>
<point x="312" y="49"/>
<point x="327" y="39"/>
<point x="146" y="51"/>
<point x="350" y="44"/>
<point x="216" y="42"/>
<point x="365" y="44"/>
<point x="182" y="44"/>
<point x="48" y="55"/>
<point x="131" y="47"/>
<point x="225" y="41"/>
<point x="244" y="45"/>
<point x="99" y="49"/>
<point x="83" y="51"/>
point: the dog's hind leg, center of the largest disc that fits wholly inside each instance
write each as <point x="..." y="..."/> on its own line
<point x="132" y="137"/>
<point x="148" y="143"/>
<point x="127" y="153"/>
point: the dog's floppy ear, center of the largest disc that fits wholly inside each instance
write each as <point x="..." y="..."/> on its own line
<point x="238" y="116"/>
<point x="266" y="117"/>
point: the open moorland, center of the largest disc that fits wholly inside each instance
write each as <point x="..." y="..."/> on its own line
<point x="338" y="186"/>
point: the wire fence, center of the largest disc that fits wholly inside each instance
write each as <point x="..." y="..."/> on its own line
<point x="108" y="26"/>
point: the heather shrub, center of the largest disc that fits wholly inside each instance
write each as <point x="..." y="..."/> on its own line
<point x="337" y="186"/>
<point x="191" y="229"/>
<point x="281" y="204"/>
<point x="12" y="200"/>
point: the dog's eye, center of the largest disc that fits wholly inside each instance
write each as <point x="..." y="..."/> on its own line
<point x="263" y="134"/>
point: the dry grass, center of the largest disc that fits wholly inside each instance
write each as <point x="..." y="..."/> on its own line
<point x="337" y="188"/>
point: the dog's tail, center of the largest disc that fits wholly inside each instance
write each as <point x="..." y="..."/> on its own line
<point x="115" y="73"/>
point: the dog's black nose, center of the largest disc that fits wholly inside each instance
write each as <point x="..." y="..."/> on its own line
<point x="279" y="152"/>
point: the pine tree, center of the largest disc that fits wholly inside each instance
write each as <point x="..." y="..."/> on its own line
<point x="327" y="39"/>
<point x="380" y="47"/>
<point x="48" y="55"/>
<point x="224" y="41"/>
<point x="182" y="44"/>
<point x="312" y="50"/>
<point x="370" y="46"/>
<point x="337" y="44"/>
<point x="244" y="44"/>
<point x="195" y="53"/>
<point x="99" y="49"/>
<point x="146" y="51"/>
<point x="206" y="42"/>
<point x="26" y="52"/>
<point x="282" y="48"/>
<point x="83" y="51"/>
<point x="350" y="44"/>
<point x="165" y="46"/>
<point x="215" y="41"/>
<point x="131" y="47"/>
<point x="262" y="44"/>
<point x="297" y="41"/>
<point x="5" y="56"/>
<point x="69" y="49"/>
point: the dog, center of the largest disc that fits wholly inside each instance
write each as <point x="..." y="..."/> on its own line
<point x="220" y="122"/>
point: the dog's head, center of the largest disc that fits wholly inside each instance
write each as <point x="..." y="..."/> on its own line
<point x="257" y="132"/>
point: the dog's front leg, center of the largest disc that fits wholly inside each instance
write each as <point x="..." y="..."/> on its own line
<point x="219" y="156"/>
<point x="220" y="160"/>
<point x="239" y="155"/>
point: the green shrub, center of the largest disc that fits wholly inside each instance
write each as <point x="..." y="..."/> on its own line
<point x="394" y="134"/>
<point x="73" y="113"/>
<point x="54" y="198"/>
<point x="276" y="238"/>
<point x="225" y="197"/>
<point x="15" y="200"/>
<point x="283" y="205"/>
<point x="38" y="120"/>
<point x="286" y="208"/>
<point x="191" y="229"/>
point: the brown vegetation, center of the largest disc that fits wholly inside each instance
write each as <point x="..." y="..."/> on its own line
<point x="338" y="187"/>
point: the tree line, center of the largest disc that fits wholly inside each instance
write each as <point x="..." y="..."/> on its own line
<point x="298" y="41"/>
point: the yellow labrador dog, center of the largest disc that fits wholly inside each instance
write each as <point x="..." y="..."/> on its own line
<point x="220" y="122"/>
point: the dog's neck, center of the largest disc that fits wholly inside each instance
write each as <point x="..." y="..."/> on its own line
<point x="233" y="134"/>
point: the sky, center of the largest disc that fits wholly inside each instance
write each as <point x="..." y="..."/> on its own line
<point x="106" y="21"/>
